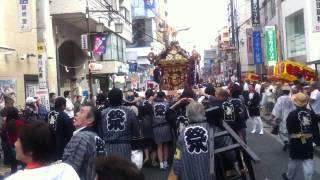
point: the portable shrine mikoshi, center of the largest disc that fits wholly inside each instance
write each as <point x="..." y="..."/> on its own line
<point x="175" y="68"/>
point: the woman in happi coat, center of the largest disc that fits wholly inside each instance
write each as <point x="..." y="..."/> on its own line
<point x="161" y="129"/>
<point x="176" y="114"/>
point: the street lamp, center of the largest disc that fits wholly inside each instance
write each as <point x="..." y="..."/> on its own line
<point x="175" y="33"/>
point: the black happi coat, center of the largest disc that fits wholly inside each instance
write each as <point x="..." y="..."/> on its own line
<point x="253" y="104"/>
<point x="119" y="125"/>
<point x="63" y="128"/>
<point x="235" y="113"/>
<point x="146" y="117"/>
<point x="192" y="157"/>
<point x="301" y="120"/>
<point x="177" y="119"/>
<point x="214" y="112"/>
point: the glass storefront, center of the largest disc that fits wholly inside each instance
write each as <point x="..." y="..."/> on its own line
<point x="295" y="36"/>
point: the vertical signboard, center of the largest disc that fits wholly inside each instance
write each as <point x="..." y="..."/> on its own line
<point x="42" y="66"/>
<point x="24" y="14"/>
<point x="315" y="12"/>
<point x="271" y="45"/>
<point x="255" y="12"/>
<point x="249" y="46"/>
<point x="256" y="45"/>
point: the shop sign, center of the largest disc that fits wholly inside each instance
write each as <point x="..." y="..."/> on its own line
<point x="256" y="45"/>
<point x="99" y="46"/>
<point x="133" y="67"/>
<point x="24" y="14"/>
<point x="271" y="45"/>
<point x="255" y="12"/>
<point x="95" y="67"/>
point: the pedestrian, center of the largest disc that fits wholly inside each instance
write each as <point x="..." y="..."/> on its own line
<point x="85" y="144"/>
<point x="102" y="102"/>
<point x="61" y="125"/>
<point x="77" y="103"/>
<point x="192" y="157"/>
<point x="253" y="102"/>
<point x="116" y="168"/>
<point x="131" y="101"/>
<point x="257" y="87"/>
<point x="208" y="95"/>
<point x="269" y="99"/>
<point x="119" y="125"/>
<point x="299" y="125"/>
<point x="42" y="110"/>
<point x="69" y="105"/>
<point x="314" y="105"/>
<point x="235" y="112"/>
<point x="52" y="98"/>
<point x="161" y="129"/>
<point x="10" y="130"/>
<point x="282" y="108"/>
<point x="35" y="146"/>
<point x="30" y="112"/>
<point x="146" y="116"/>
<point x="176" y="114"/>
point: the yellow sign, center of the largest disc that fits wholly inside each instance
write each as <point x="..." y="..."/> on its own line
<point x="40" y="47"/>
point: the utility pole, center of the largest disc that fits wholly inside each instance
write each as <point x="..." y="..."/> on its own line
<point x="235" y="37"/>
<point x="89" y="50"/>
<point x="42" y="18"/>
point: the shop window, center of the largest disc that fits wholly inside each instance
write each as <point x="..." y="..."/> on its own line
<point x="295" y="35"/>
<point x="115" y="48"/>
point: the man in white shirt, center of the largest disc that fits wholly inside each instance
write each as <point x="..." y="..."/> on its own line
<point x="69" y="106"/>
<point x="314" y="103"/>
<point x="315" y="98"/>
<point x="257" y="87"/>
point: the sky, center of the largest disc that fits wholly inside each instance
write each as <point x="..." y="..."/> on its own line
<point x="204" y="17"/>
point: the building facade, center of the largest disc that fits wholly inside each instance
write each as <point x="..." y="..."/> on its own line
<point x="297" y="30"/>
<point x="149" y="25"/>
<point x="95" y="31"/>
<point x="18" y="50"/>
<point x="301" y="30"/>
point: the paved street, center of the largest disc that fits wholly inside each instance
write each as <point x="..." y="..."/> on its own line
<point x="268" y="148"/>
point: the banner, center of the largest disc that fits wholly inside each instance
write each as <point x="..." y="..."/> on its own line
<point x="99" y="46"/>
<point x="315" y="13"/>
<point x="24" y="14"/>
<point x="257" y="50"/>
<point x="271" y="45"/>
<point x="7" y="88"/>
<point x="255" y="12"/>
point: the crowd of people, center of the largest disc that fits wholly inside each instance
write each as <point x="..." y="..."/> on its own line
<point x="172" y="129"/>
